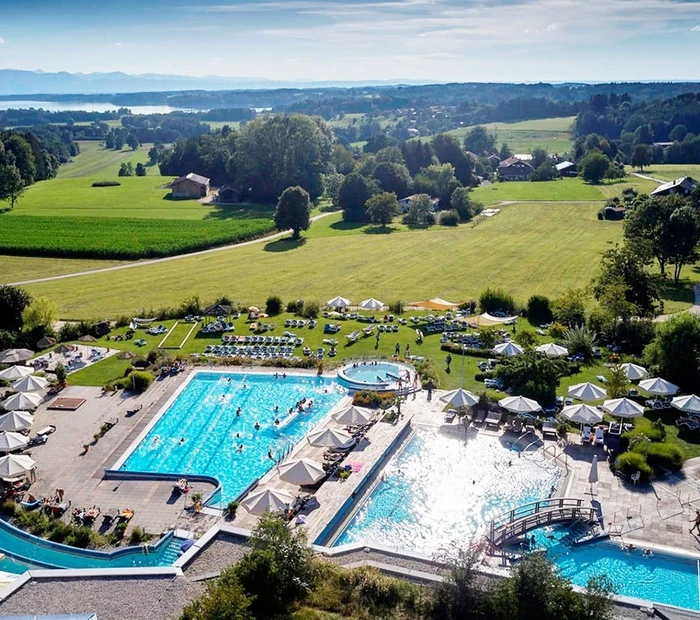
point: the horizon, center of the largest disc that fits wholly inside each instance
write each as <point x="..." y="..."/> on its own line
<point x="433" y="41"/>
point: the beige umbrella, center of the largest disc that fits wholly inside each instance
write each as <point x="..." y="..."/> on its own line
<point x="64" y="348"/>
<point x="329" y="438"/>
<point x="301" y="471"/>
<point x="353" y="415"/>
<point x="12" y="356"/>
<point x="338" y="302"/>
<point x="267" y="500"/>
<point x="658" y="386"/>
<point x="587" y="391"/>
<point x="520" y="404"/>
<point x="29" y="384"/>
<point x="460" y="398"/>
<point x="16" y="421"/>
<point x="22" y="400"/>
<point x="584" y="414"/>
<point x="15" y="372"/>
<point x="13" y="465"/>
<point x="552" y="350"/>
<point x="10" y="441"/>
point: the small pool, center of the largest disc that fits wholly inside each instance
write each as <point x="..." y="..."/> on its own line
<point x="216" y="412"/>
<point x="379" y="376"/>
<point x="661" y="578"/>
<point x="442" y="489"/>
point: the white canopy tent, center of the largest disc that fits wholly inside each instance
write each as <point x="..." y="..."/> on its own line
<point x="10" y="441"/>
<point x="329" y="437"/>
<point x="372" y="304"/>
<point x="552" y="350"/>
<point x="460" y="398"/>
<point x="15" y="372"/>
<point x="509" y="349"/>
<point x="634" y="372"/>
<point x="267" y="500"/>
<point x="623" y="408"/>
<point x="29" y="384"/>
<point x="520" y="404"/>
<point x="688" y="404"/>
<point x="22" y="400"/>
<point x="658" y="387"/>
<point x="587" y="391"/>
<point x="338" y="302"/>
<point x="16" y="421"/>
<point x="301" y="471"/>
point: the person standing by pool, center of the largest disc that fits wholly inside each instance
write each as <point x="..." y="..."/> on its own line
<point x="696" y="524"/>
<point x="448" y="361"/>
<point x="397" y="349"/>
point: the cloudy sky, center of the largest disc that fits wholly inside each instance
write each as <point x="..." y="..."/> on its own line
<point x="441" y="40"/>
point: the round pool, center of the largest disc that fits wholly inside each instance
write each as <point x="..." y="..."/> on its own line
<point x="377" y="376"/>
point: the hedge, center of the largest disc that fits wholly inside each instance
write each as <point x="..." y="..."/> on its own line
<point x="662" y="456"/>
<point x="451" y="347"/>
<point x="631" y="462"/>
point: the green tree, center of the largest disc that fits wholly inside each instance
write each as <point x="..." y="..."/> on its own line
<point x="438" y="180"/>
<point x="641" y="156"/>
<point x="342" y="159"/>
<point x="458" y="596"/>
<point x="140" y="170"/>
<point x="448" y="151"/>
<point x="539" y="310"/>
<point x="41" y="312"/>
<point x="381" y="208"/>
<point x="505" y="152"/>
<point x="539" y="157"/>
<point x="580" y="340"/>
<point x="417" y="155"/>
<point x="393" y="177"/>
<point x="684" y="236"/>
<point x="617" y="382"/>
<point x="11" y="184"/>
<point x="20" y="151"/>
<point x="126" y="169"/>
<point x="478" y="140"/>
<point x="352" y="196"/>
<point x="461" y="202"/>
<point x="132" y="141"/>
<point x="532" y="375"/>
<point x="570" y="308"/>
<point x="594" y="166"/>
<point x="293" y="211"/>
<point x="675" y="351"/>
<point x="224" y="599"/>
<point x="13" y="301"/>
<point x="420" y="212"/>
<point x="331" y="186"/>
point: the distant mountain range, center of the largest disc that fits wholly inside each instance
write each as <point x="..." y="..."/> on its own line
<point x="15" y="82"/>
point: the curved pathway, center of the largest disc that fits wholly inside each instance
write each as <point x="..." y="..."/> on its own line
<point x="167" y="258"/>
<point x="694" y="309"/>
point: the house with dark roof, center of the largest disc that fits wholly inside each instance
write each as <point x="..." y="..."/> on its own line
<point x="473" y="156"/>
<point x="682" y="186"/>
<point x="514" y="169"/>
<point x="567" y="169"/>
<point x="405" y="203"/>
<point x="228" y="194"/>
<point x="190" y="186"/>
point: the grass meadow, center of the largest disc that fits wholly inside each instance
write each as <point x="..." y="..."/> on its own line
<point x="563" y="189"/>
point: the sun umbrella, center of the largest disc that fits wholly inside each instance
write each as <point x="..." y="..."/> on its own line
<point x="658" y="386"/>
<point x="87" y="338"/>
<point x="267" y="500"/>
<point x="301" y="471"/>
<point x="64" y="348"/>
<point x="372" y="304"/>
<point x="520" y="404"/>
<point x="353" y="415"/>
<point x="587" y="391"/>
<point x="634" y="372"/>
<point x="22" y="400"/>
<point x="14" y="465"/>
<point x="16" y="421"/>
<point x="623" y="408"/>
<point x="460" y="398"/>
<point x="552" y="350"/>
<point x="329" y="437"/>
<point x="12" y="356"/>
<point x="689" y="404"/>
<point x="253" y="309"/>
<point x="584" y="414"/>
<point x="10" y="441"/>
<point x="593" y="474"/>
<point x="338" y="302"/>
<point x="46" y="342"/>
<point x="15" y="372"/>
<point x="509" y="349"/>
<point x="29" y="384"/>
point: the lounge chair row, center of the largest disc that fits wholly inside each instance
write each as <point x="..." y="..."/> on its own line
<point x="267" y="340"/>
<point x="300" y="323"/>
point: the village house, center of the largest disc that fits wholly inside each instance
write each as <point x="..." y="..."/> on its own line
<point x="190" y="186"/>
<point x="406" y="203"/>
<point x="567" y="169"/>
<point x="682" y="186"/>
<point x="514" y="169"/>
<point x="228" y="194"/>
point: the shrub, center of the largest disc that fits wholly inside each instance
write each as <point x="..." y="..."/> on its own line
<point x="311" y="310"/>
<point x="449" y="218"/>
<point x="428" y="373"/>
<point x="9" y="507"/>
<point x="539" y="310"/>
<point x="138" y="535"/>
<point x="662" y="456"/>
<point x="273" y="305"/>
<point x="557" y="330"/>
<point x="79" y="537"/>
<point x="396" y="307"/>
<point x="59" y="532"/>
<point x="61" y="373"/>
<point x="232" y="509"/>
<point x="373" y="400"/>
<point x="106" y="184"/>
<point x="295" y="307"/>
<point x="69" y="331"/>
<point x="632" y="462"/>
<point x="139" y="380"/>
<point x="497" y="300"/>
<point x="580" y="339"/>
<point x="468" y="305"/>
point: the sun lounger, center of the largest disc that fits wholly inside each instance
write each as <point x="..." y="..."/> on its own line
<point x="479" y="417"/>
<point x="549" y="427"/>
<point x="493" y="418"/>
<point x="530" y="426"/>
<point x="586" y="436"/>
<point x="368" y="330"/>
<point x="599" y="438"/>
<point x="517" y="426"/>
<point x="509" y="423"/>
<point x="450" y="415"/>
<point x="352" y="337"/>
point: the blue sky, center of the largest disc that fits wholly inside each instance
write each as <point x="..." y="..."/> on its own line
<point x="441" y="40"/>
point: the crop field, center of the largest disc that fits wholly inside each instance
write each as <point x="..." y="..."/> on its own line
<point x="527" y="248"/>
<point x="563" y="189"/>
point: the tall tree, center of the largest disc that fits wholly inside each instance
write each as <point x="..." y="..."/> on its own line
<point x="13" y="301"/>
<point x="293" y="211"/>
<point x="417" y="155"/>
<point x="448" y="151"/>
<point x="352" y="196"/>
<point x="392" y="177"/>
<point x="381" y="208"/>
<point x="11" y="184"/>
<point x="132" y="141"/>
<point x="594" y="166"/>
<point x="641" y="156"/>
<point x="438" y="180"/>
<point x="675" y="350"/>
<point x="461" y="202"/>
<point x="41" y="312"/>
<point x="479" y="141"/>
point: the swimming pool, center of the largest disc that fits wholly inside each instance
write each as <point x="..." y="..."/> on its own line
<point x="380" y="376"/>
<point x="442" y="489"/>
<point x="216" y="412"/>
<point x="662" y="578"/>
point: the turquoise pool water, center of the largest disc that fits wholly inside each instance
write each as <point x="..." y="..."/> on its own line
<point x="382" y="375"/>
<point x="662" y="578"/>
<point x="204" y="417"/>
<point x="442" y="489"/>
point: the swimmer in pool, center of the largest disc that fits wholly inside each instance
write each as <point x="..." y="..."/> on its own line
<point x="238" y="412"/>
<point x="156" y="439"/>
<point x="277" y="421"/>
<point x="240" y="448"/>
<point x="277" y="408"/>
<point x="182" y="440"/>
<point x="257" y="426"/>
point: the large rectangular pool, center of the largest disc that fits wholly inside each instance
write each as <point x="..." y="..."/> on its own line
<point x="202" y="430"/>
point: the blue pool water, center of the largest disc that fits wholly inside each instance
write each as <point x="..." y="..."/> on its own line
<point x="442" y="489"/>
<point x="662" y="578"/>
<point x="204" y="415"/>
<point x="372" y="376"/>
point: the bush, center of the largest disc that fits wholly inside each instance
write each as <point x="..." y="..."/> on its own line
<point x="428" y="373"/>
<point x="106" y="184"/>
<point x="59" y="532"/>
<point x="539" y="310"/>
<point x="662" y="456"/>
<point x="69" y="331"/>
<point x="138" y="381"/>
<point x="273" y="305"/>
<point x="61" y="373"/>
<point x="579" y="339"/>
<point x="497" y="300"/>
<point x="373" y="400"/>
<point x="449" y="218"/>
<point x="396" y="307"/>
<point x="232" y="509"/>
<point x="631" y="462"/>
<point x="557" y="330"/>
<point x="9" y="507"/>
<point x="138" y="536"/>
<point x="295" y="307"/>
<point x="310" y="310"/>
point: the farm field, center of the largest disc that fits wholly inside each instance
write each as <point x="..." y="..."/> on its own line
<point x="562" y="189"/>
<point x="21" y="268"/>
<point x="670" y="172"/>
<point x="527" y="248"/>
<point x="94" y="158"/>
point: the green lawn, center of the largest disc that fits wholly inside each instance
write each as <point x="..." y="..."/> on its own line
<point x="527" y="248"/>
<point x="94" y="159"/>
<point x="562" y="189"/>
<point x="670" y="172"/>
<point x="21" y="268"/>
<point x="174" y="339"/>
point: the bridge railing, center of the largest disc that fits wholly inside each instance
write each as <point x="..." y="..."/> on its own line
<point x="525" y="510"/>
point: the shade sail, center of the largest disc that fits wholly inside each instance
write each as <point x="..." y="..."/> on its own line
<point x="29" y="384"/>
<point x="689" y="404"/>
<point x="329" y="437"/>
<point x="22" y="400"/>
<point x="520" y="404"/>
<point x="16" y="421"/>
<point x="634" y="372"/>
<point x="436" y="303"/>
<point x="623" y="408"/>
<point x="12" y="356"/>
<point x="353" y="415"/>
<point x="301" y="471"/>
<point x="372" y="304"/>
<point x="509" y="349"/>
<point x="583" y="414"/>
<point x="10" y="441"/>
<point x="338" y="302"/>
<point x="460" y="398"/>
<point x="267" y="500"/>
<point x="552" y="350"/>
<point x="13" y="465"/>
<point x="15" y="372"/>
<point x="587" y="391"/>
<point x="658" y="386"/>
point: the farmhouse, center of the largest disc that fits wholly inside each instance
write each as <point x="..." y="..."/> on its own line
<point x="514" y="169"/>
<point x="614" y="212"/>
<point x="406" y="202"/>
<point x="228" y="193"/>
<point x="190" y="186"/>
<point x="681" y="186"/>
<point x="473" y="156"/>
<point x="567" y="169"/>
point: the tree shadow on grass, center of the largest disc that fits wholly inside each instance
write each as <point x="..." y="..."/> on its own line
<point x="239" y="211"/>
<point x="379" y="230"/>
<point x="284" y="245"/>
<point x="343" y="225"/>
<point x="681" y="292"/>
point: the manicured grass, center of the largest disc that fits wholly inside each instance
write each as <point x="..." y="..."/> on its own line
<point x="562" y="189"/>
<point x="221" y="124"/>
<point x="21" y="268"/>
<point x="527" y="248"/>
<point x="611" y="189"/>
<point x="670" y="172"/>
<point x="95" y="159"/>
<point x="101" y="373"/>
<point x="174" y="339"/>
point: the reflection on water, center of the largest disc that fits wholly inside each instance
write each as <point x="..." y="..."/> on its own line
<point x="67" y="106"/>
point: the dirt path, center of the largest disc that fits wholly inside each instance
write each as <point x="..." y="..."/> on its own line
<point x="648" y="178"/>
<point x="167" y="258"/>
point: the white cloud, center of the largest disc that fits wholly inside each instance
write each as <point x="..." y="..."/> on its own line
<point x="2" y="41"/>
<point x="118" y="44"/>
<point x="695" y="29"/>
<point x="553" y="27"/>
